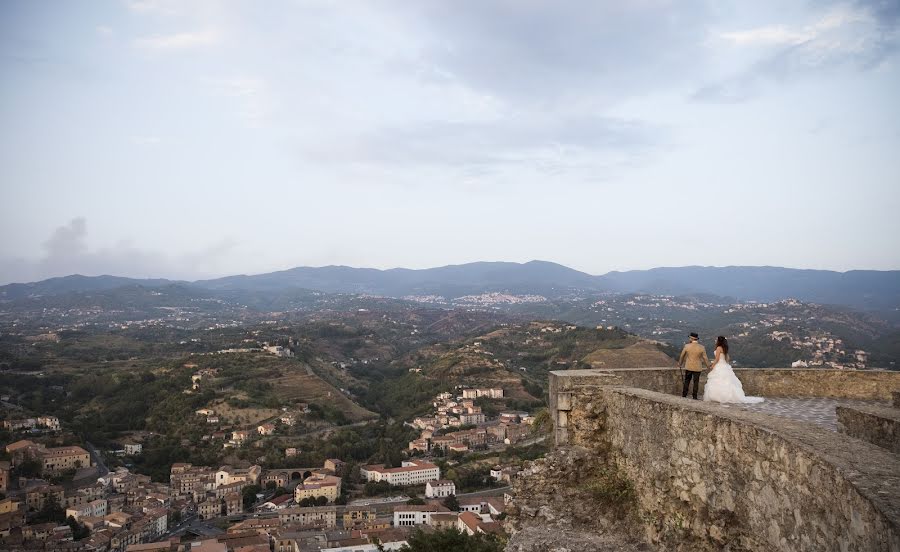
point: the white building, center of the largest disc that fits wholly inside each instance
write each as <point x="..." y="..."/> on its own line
<point x="408" y="515"/>
<point x="440" y="488"/>
<point x="133" y="449"/>
<point x="412" y="472"/>
<point x="472" y="419"/>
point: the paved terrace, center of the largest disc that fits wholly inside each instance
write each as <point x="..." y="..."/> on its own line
<point x="816" y="410"/>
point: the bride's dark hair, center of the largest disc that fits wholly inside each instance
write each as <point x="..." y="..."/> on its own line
<point x="723" y="343"/>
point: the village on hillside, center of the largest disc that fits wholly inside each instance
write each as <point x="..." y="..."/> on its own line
<point x="66" y="498"/>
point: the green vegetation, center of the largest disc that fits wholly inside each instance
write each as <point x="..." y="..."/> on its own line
<point x="451" y="540"/>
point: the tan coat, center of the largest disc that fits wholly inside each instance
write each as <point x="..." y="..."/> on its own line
<point x="693" y="357"/>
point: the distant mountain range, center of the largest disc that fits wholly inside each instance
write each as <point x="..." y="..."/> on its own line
<point x="860" y="289"/>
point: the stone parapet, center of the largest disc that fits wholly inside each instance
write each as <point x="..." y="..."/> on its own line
<point x="711" y="476"/>
<point x="879" y="425"/>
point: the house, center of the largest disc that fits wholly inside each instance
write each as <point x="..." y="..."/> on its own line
<point x="205" y="412"/>
<point x="133" y="449"/>
<point x="412" y="472"/>
<point x="288" y="419"/>
<point x="234" y="503"/>
<point x="19" y="425"/>
<point x="227" y="475"/>
<point x="59" y="459"/>
<point x="241" y="435"/>
<point x="468" y="523"/>
<point x="318" y="485"/>
<point x="94" y="508"/>
<point x="37" y="497"/>
<point x="419" y="444"/>
<point x="277" y="503"/>
<point x="209" y="508"/>
<point x="336" y="466"/>
<point x="49" y="422"/>
<point x="359" y="516"/>
<point x="323" y="516"/>
<point x="408" y="515"/>
<point x="291" y="451"/>
<point x="266" y="429"/>
<point x="473" y="418"/>
<point x="440" y="488"/>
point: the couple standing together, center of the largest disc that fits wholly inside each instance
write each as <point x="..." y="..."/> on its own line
<point x="721" y="385"/>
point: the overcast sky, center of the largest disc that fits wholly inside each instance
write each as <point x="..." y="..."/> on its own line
<point x="191" y="139"/>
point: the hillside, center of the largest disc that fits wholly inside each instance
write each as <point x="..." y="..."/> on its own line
<point x="517" y="357"/>
<point x="877" y="291"/>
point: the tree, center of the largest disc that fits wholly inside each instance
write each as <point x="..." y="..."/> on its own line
<point x="452" y="503"/>
<point x="249" y="495"/>
<point x="79" y="531"/>
<point x="306" y="502"/>
<point x="321" y="501"/>
<point x="415" y="501"/>
<point x="451" y="540"/>
<point x="29" y="468"/>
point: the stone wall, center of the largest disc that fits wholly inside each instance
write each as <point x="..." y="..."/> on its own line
<point x="765" y="382"/>
<point x="708" y="476"/>
<point x="879" y="425"/>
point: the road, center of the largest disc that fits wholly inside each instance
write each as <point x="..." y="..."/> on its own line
<point x="97" y="459"/>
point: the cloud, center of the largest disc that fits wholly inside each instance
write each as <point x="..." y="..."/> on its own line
<point x="549" y="144"/>
<point x="66" y="252"/>
<point x="549" y="52"/>
<point x="178" y="41"/>
<point x="251" y="94"/>
<point x="103" y="30"/>
<point x="856" y="37"/>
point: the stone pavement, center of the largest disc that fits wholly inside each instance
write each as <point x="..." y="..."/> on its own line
<point x="816" y="410"/>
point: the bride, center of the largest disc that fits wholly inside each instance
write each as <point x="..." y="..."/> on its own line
<point x="721" y="384"/>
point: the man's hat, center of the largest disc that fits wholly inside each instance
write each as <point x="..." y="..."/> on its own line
<point x="694" y="335"/>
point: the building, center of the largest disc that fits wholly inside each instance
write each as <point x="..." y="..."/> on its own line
<point x="49" y="422"/>
<point x="94" y="508"/>
<point x="468" y="523"/>
<point x="473" y="418"/>
<point x="228" y="475"/>
<point x="291" y="451"/>
<point x="407" y="515"/>
<point x="440" y="488"/>
<point x="209" y="508"/>
<point x="412" y="472"/>
<point x="319" y="516"/>
<point x="37" y="497"/>
<point x="318" y="485"/>
<point x="336" y="466"/>
<point x="133" y="449"/>
<point x="265" y="429"/>
<point x="354" y="517"/>
<point x="59" y="459"/>
<point x="491" y="393"/>
<point x="241" y="435"/>
<point x="234" y="503"/>
<point x="4" y="476"/>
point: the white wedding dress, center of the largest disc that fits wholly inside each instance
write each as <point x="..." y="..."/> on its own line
<point x="725" y="387"/>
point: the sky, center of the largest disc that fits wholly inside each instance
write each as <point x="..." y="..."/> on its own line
<point x="156" y="138"/>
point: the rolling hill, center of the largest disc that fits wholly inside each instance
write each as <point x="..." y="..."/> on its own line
<point x="877" y="291"/>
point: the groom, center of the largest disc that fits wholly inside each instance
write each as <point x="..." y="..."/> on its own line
<point x="693" y="359"/>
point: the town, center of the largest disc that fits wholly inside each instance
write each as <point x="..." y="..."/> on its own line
<point x="65" y="497"/>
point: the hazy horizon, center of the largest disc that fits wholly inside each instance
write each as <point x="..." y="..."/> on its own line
<point x="283" y="269"/>
<point x="167" y="139"/>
